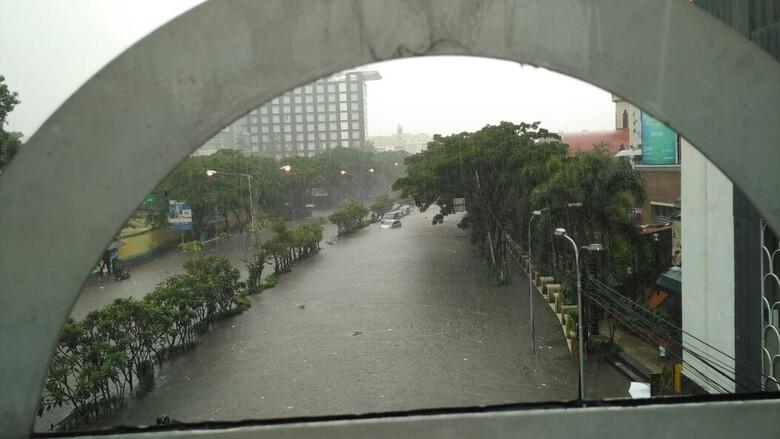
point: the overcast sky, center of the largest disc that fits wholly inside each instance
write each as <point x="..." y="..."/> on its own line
<point x="48" y="48"/>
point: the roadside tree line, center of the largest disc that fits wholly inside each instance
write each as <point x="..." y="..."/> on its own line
<point x="506" y="172"/>
<point x="280" y="187"/>
<point x="112" y="352"/>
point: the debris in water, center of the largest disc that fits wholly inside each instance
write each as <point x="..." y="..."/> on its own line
<point x="354" y="333"/>
<point x="301" y="305"/>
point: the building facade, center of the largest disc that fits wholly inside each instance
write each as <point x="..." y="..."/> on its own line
<point x="328" y="113"/>
<point x="731" y="301"/>
<point x="325" y="114"/>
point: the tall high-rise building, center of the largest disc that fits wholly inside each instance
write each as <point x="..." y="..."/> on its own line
<point x="327" y="113"/>
<point x="234" y="136"/>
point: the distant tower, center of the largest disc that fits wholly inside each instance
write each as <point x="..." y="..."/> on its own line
<point x="399" y="130"/>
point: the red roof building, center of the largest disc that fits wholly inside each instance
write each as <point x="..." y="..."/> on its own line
<point x="585" y="141"/>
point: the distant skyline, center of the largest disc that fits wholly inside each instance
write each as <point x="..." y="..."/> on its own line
<point x="40" y="41"/>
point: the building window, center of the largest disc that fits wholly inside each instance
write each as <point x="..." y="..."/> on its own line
<point x="332" y="88"/>
<point x="288" y="137"/>
<point x="310" y="108"/>
<point x="355" y="135"/>
<point x="333" y="126"/>
<point x="345" y="143"/>
<point x="320" y="108"/>
<point x="253" y="128"/>
<point x="334" y="135"/>
<point x="264" y="137"/>
<point x="309" y="118"/>
<point x="353" y="87"/>
<point x="343" y="97"/>
<point x="254" y="138"/>
<point x="275" y="109"/>
<point x="332" y="108"/>
<point x="286" y="99"/>
<point x="354" y="98"/>
<point x="320" y="88"/>
<point x="310" y="136"/>
<point x="287" y="128"/>
<point x="298" y="99"/>
<point x="321" y="126"/>
<point x="355" y="116"/>
<point x="355" y="125"/>
<point x="344" y="125"/>
<point x="276" y="128"/>
<point x="342" y="86"/>
<point x="308" y="89"/>
<point x="286" y="109"/>
<point x="343" y="116"/>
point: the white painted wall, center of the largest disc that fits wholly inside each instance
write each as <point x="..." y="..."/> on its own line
<point x="708" y="270"/>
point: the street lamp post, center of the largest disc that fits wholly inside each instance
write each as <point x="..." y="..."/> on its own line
<point x="212" y="172"/>
<point x="534" y="214"/>
<point x="580" y="330"/>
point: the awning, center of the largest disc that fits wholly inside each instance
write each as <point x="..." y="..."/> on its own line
<point x="671" y="282"/>
<point x="628" y="153"/>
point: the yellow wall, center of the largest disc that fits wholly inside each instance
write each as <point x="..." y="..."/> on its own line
<point x="143" y="243"/>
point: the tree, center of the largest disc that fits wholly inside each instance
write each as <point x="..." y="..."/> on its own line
<point x="349" y="217"/>
<point x="494" y="169"/>
<point x="382" y="204"/>
<point x="9" y="142"/>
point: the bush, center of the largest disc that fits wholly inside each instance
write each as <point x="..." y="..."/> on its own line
<point x="349" y="217"/>
<point x="190" y="247"/>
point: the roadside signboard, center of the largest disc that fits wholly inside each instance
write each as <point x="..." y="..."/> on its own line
<point x="659" y="142"/>
<point x="179" y="216"/>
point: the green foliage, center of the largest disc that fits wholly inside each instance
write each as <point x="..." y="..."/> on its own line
<point x="507" y="171"/>
<point x="274" y="192"/>
<point x="288" y="247"/>
<point x="271" y="280"/>
<point x="9" y="142"/>
<point x="190" y="247"/>
<point x="382" y="204"/>
<point x="349" y="217"/>
<point x="100" y="359"/>
<point x="8" y="100"/>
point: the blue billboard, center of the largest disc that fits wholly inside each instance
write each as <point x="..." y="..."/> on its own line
<point x="179" y="216"/>
<point x="659" y="142"/>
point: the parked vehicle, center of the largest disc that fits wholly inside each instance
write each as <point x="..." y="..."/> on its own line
<point x="390" y="223"/>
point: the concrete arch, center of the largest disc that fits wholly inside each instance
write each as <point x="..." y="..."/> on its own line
<point x="90" y="164"/>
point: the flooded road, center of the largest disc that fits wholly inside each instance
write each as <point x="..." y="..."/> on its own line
<point x="382" y="320"/>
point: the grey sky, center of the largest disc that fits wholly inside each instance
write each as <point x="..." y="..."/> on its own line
<point x="48" y="48"/>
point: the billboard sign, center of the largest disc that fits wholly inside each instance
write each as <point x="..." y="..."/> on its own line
<point x="179" y="216"/>
<point x="659" y="142"/>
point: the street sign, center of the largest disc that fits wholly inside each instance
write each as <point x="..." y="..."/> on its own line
<point x="150" y="199"/>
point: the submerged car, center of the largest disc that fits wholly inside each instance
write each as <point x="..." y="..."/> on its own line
<point x="390" y="223"/>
